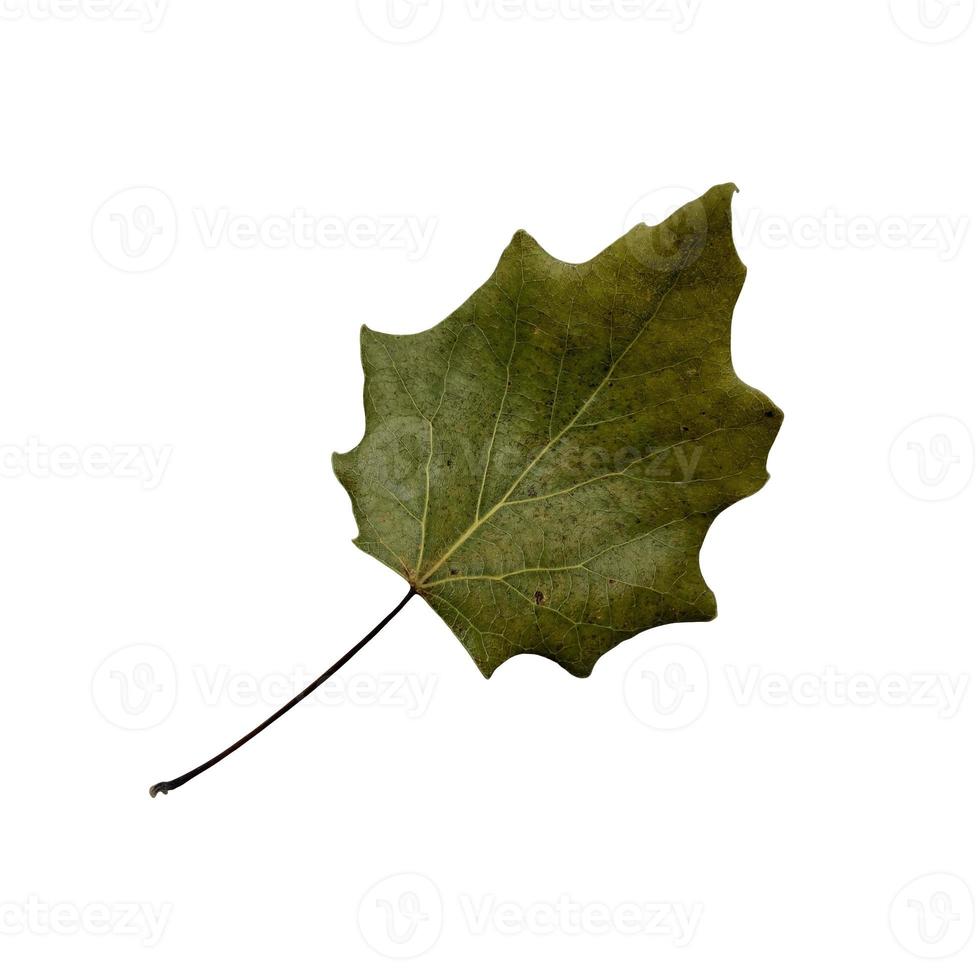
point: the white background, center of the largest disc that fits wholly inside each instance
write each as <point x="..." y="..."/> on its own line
<point x="810" y="806"/>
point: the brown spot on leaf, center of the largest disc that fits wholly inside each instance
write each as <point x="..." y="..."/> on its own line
<point x="538" y="597"/>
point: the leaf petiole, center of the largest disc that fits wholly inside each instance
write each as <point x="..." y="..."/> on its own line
<point x="167" y="785"/>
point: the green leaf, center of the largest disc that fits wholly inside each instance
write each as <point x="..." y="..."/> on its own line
<point x="544" y="464"/>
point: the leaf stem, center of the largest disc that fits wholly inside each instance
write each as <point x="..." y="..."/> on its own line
<point x="169" y="784"/>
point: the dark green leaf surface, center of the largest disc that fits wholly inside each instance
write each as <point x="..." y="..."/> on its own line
<point x="544" y="464"/>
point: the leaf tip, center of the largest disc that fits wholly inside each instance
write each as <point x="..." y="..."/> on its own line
<point x="522" y="238"/>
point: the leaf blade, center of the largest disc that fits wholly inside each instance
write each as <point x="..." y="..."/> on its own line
<point x="597" y="396"/>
